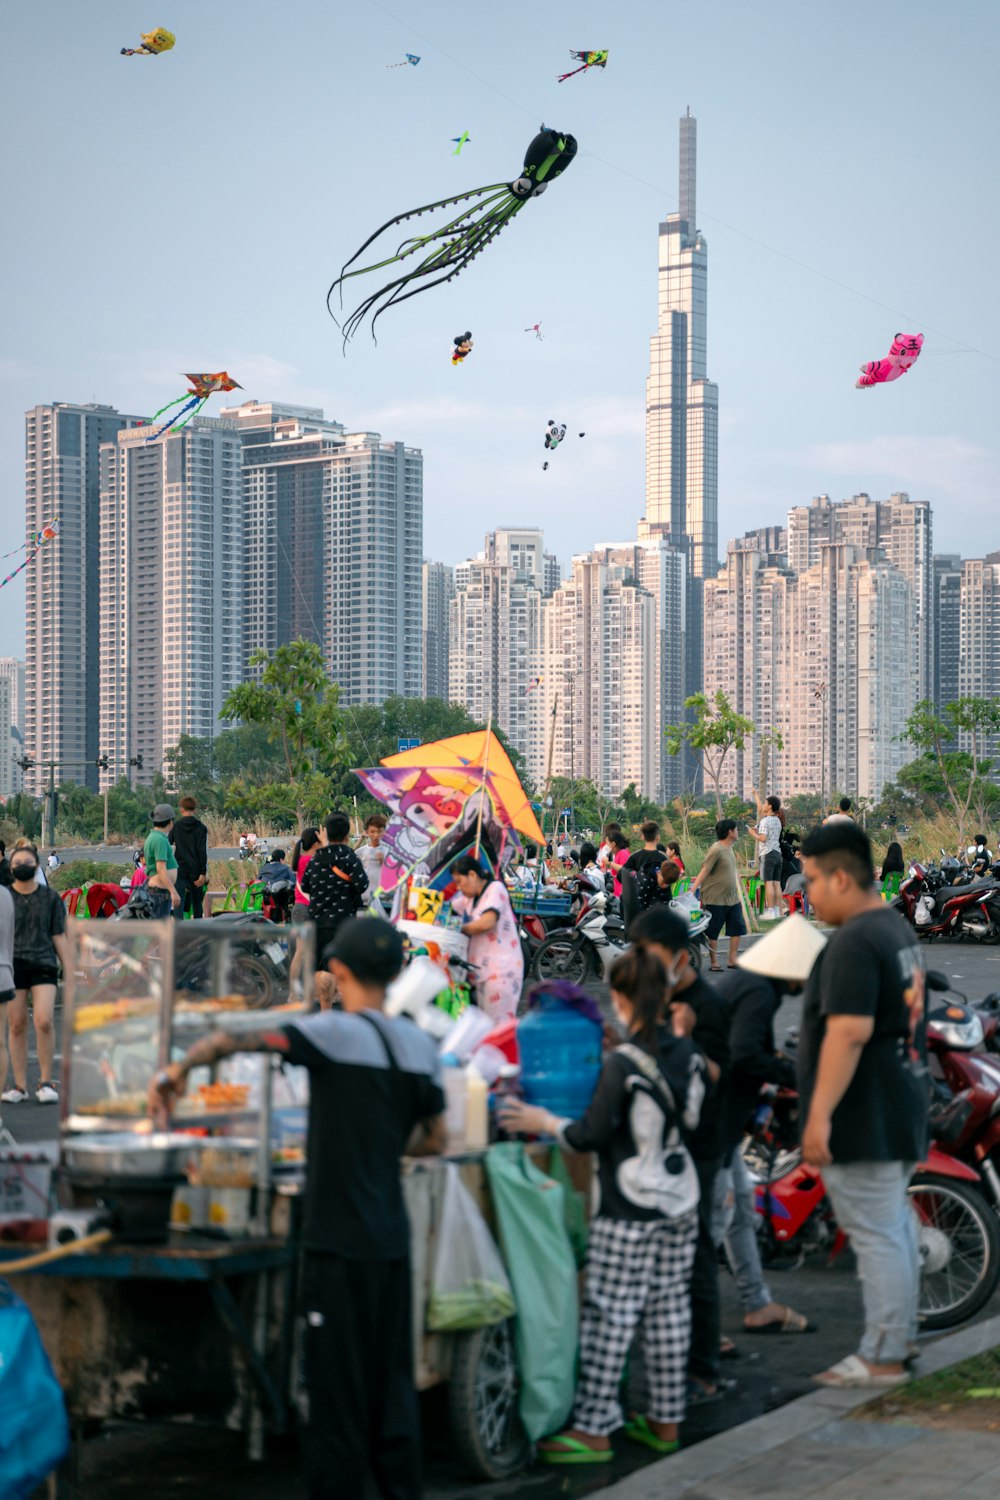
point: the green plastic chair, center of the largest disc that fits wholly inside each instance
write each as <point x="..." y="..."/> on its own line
<point x="891" y="884"/>
<point x="253" y="900"/>
<point x="755" y="891"/>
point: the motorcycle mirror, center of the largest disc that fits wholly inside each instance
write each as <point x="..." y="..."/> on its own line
<point x="936" y="980"/>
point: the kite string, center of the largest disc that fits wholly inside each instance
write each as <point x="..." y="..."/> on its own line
<point x="663" y="193"/>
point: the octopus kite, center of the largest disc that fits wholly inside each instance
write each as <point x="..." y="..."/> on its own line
<point x="463" y="346"/>
<point x="47" y="533"/>
<point x="587" y="60"/>
<point x="903" y="352"/>
<point x="203" y="385"/>
<point x="455" y="245"/>
<point x="152" y="43"/>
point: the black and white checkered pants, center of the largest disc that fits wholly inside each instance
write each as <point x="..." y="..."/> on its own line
<point x="637" y="1282"/>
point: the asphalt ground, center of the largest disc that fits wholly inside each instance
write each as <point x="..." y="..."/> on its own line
<point x="162" y="1463"/>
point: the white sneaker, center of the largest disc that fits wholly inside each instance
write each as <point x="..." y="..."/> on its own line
<point x="14" y="1096"/>
<point x="46" y="1094"/>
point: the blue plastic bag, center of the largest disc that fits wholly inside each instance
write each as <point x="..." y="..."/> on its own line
<point x="530" y="1215"/>
<point x="34" y="1429"/>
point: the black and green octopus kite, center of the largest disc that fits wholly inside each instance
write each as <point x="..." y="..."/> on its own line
<point x="454" y="246"/>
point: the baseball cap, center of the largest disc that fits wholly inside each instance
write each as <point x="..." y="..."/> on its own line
<point x="370" y="948"/>
<point x="163" y="813"/>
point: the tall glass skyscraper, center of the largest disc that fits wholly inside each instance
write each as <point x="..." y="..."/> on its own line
<point x="682" y="404"/>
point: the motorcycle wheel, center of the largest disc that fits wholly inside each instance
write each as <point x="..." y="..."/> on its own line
<point x="562" y="956"/>
<point x="253" y="977"/>
<point x="959" y="1238"/>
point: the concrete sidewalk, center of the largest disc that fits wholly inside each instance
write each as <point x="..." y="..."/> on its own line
<point x="809" y="1449"/>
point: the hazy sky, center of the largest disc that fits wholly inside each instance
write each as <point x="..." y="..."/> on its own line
<point x="189" y="212"/>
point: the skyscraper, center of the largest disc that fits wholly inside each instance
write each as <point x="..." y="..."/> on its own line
<point x="438" y="591"/>
<point x="62" y="688"/>
<point x="946" y="627"/>
<point x="682" y="404"/>
<point x="12" y="737"/>
<point x="171" y="588"/>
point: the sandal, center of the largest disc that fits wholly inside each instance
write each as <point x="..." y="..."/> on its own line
<point x="638" y="1429"/>
<point x="727" y="1349"/>
<point x="716" y="969"/>
<point x="573" y="1452"/>
<point x="853" y="1374"/>
<point x="699" y="1396"/>
<point x="792" y="1322"/>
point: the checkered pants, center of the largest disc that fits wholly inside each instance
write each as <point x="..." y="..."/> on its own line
<point x="638" y="1279"/>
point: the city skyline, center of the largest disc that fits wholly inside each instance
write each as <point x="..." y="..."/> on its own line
<point x="780" y="145"/>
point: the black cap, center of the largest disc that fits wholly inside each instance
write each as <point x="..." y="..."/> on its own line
<point x="370" y="948"/>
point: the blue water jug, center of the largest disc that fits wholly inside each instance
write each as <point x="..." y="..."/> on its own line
<point x="560" y="1056"/>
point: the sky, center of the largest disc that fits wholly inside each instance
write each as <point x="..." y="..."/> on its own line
<point x="190" y="211"/>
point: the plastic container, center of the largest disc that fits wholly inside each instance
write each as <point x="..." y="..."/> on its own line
<point x="488" y="1062"/>
<point x="456" y="1093"/>
<point x="477" y="1115"/>
<point x="467" y="1033"/>
<point x="560" y="1056"/>
<point x="504" y="1038"/>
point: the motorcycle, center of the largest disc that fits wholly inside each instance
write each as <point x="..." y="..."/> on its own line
<point x="589" y="948"/>
<point x="955" y="1191"/>
<point x="936" y="909"/>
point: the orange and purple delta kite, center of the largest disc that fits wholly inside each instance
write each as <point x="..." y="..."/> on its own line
<point x="903" y="352"/>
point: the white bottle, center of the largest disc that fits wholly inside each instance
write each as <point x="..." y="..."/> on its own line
<point x="477" y="1114"/>
<point x="456" y="1093"/>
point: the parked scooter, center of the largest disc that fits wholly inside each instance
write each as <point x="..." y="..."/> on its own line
<point x="937" y="909"/>
<point x="589" y="948"/>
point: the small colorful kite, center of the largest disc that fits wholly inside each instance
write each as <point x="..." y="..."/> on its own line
<point x="203" y="385"/>
<point x="463" y="347"/>
<point x="409" y="57"/>
<point x="461" y="139"/>
<point x="534" y="683"/>
<point x="555" y="434"/>
<point x="903" y="352"/>
<point x="535" y="329"/>
<point x="456" y="244"/>
<point x="48" y="532"/>
<point x="152" y="43"/>
<point x="587" y="60"/>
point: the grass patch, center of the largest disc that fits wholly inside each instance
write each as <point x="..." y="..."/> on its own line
<point x="946" y="1400"/>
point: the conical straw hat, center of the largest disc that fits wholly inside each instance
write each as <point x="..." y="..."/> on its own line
<point x="788" y="952"/>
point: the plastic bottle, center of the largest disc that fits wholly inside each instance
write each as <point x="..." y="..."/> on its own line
<point x="456" y="1093"/>
<point x="508" y="1086"/>
<point x="477" y="1115"/>
<point x="560" y="1056"/>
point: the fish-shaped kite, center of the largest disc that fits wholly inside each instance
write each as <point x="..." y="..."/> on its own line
<point x="903" y="352"/>
<point x="456" y="244"/>
<point x="203" y="385"/>
<point x="587" y="60"/>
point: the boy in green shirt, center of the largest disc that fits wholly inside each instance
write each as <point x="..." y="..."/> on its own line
<point x="161" y="862"/>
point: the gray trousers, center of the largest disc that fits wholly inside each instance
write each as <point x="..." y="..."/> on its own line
<point x="872" y="1207"/>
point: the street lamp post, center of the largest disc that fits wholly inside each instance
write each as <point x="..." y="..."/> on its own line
<point x="821" y="694"/>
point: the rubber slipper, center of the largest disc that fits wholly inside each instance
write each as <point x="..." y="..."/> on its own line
<point x="728" y="1350"/>
<point x="698" y="1396"/>
<point x="787" y="1324"/>
<point x="638" y="1429"/>
<point x="573" y="1452"/>
<point x="853" y="1374"/>
<point x="716" y="970"/>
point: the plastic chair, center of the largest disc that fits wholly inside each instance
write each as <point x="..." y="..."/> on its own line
<point x="254" y="898"/>
<point x="104" y="899"/>
<point x="891" y="884"/>
<point x="796" y="901"/>
<point x="71" y="900"/>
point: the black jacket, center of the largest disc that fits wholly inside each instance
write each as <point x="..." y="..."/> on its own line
<point x="753" y="1002"/>
<point x="711" y="1037"/>
<point x="189" y="837"/>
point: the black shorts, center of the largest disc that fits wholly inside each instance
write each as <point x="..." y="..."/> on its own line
<point x="28" y="974"/>
<point x="729" y="917"/>
<point x="770" y="865"/>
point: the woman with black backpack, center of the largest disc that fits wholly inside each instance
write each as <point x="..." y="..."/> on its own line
<point x="643" y="1236"/>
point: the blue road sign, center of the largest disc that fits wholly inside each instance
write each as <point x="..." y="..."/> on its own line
<point x="408" y="744"/>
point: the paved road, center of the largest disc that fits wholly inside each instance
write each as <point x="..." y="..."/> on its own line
<point x="770" y="1372"/>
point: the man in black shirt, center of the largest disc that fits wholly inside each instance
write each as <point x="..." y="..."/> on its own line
<point x="864" y="1091"/>
<point x="335" y="882"/>
<point x="189" y="837"/>
<point x="375" y="1094"/>
<point x="706" y="1021"/>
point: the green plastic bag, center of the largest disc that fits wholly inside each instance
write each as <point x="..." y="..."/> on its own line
<point x="469" y="1286"/>
<point x="530" y="1215"/>
<point x="574" y="1206"/>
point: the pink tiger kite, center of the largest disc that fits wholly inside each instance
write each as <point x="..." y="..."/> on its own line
<point x="902" y="354"/>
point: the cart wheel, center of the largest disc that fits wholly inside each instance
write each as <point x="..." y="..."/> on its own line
<point x="482" y="1403"/>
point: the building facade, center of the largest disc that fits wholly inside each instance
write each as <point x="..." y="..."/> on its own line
<point x="171" y="589"/>
<point x="438" y="590"/>
<point x="947" y="627"/>
<point x="12" y="737"/>
<point x="62" y="636"/>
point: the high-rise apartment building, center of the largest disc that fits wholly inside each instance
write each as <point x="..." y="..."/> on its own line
<point x="12" y="737"/>
<point x="495" y="639"/>
<point x="438" y="590"/>
<point x="171" y="588"/>
<point x="682" y="404"/>
<point x="62" y="688"/>
<point x="979" y="629"/>
<point x="947" y="627"/>
<point x="600" y="673"/>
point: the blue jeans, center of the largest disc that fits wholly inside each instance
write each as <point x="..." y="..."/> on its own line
<point x="734" y="1225"/>
<point x="872" y="1207"/>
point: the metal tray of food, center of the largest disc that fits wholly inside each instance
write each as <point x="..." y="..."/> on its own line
<point x="161" y="1153"/>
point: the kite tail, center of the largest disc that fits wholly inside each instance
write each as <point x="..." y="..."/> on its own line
<point x="198" y="401"/>
<point x="21" y="568"/>
<point x="191" y="418"/>
<point x="169" y="405"/>
<point x="562" y="77"/>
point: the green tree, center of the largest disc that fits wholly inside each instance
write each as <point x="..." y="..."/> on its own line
<point x="297" y="706"/>
<point x="963" y="773"/>
<point x="714" y="729"/>
<point x="189" y="770"/>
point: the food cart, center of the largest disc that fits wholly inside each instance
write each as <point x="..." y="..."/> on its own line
<point x="192" y="1318"/>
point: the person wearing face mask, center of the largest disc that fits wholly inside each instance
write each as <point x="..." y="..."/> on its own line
<point x="643" y="1235"/>
<point x="697" y="1008"/>
<point x="40" y="945"/>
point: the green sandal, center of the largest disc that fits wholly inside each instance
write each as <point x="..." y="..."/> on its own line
<point x="639" y="1430"/>
<point x="573" y="1452"/>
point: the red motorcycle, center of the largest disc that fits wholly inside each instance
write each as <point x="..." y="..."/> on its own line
<point x="936" y="909"/>
<point x="954" y="1195"/>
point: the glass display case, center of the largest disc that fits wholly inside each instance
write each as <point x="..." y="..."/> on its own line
<point x="139" y="994"/>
